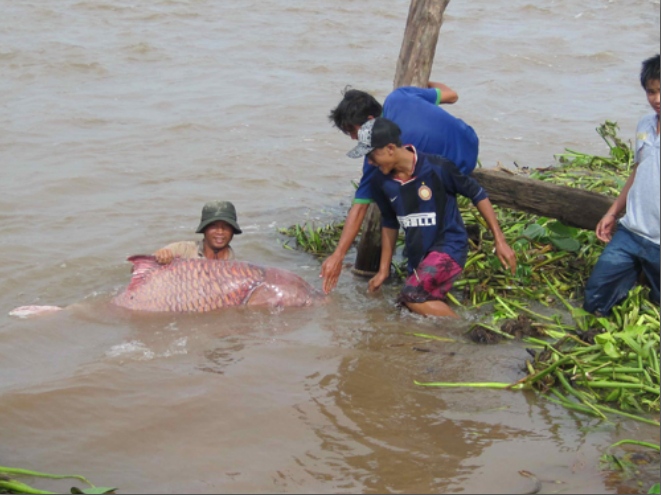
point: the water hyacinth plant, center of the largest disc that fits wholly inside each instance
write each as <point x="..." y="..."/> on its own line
<point x="10" y="484"/>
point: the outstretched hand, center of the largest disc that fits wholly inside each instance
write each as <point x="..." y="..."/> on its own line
<point x="330" y="272"/>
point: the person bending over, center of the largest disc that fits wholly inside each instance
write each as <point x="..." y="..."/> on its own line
<point x="418" y="192"/>
<point x="424" y="124"/>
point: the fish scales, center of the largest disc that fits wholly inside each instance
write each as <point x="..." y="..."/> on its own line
<point x="189" y="285"/>
<point x="202" y="285"/>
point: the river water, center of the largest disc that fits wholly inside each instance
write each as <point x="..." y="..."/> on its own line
<point x="120" y="119"/>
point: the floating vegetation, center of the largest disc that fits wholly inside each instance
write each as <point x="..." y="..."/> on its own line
<point x="320" y="241"/>
<point x="9" y="483"/>
<point x="635" y="470"/>
<point x="592" y="365"/>
<point x="596" y="368"/>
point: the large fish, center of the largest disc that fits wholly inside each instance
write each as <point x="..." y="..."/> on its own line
<point x="200" y="285"/>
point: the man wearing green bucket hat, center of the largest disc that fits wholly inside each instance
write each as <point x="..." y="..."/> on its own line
<point x="218" y="224"/>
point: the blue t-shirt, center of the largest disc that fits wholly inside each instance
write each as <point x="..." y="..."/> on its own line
<point x="426" y="207"/>
<point x="427" y="127"/>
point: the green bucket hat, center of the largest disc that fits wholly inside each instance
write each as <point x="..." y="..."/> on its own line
<point x="215" y="211"/>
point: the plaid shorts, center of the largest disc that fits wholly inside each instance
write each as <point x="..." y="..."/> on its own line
<point x="432" y="280"/>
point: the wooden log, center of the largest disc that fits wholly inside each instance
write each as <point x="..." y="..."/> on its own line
<point x="573" y="207"/>
<point x="413" y="69"/>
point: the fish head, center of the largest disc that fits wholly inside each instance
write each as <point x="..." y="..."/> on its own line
<point x="283" y="288"/>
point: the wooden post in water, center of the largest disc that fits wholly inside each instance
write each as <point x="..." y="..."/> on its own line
<point x="413" y="69"/>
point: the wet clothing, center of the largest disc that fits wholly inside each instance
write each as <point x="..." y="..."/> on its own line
<point x="635" y="246"/>
<point x="431" y="280"/>
<point x="429" y="128"/>
<point x="192" y="249"/>
<point x="426" y="207"/>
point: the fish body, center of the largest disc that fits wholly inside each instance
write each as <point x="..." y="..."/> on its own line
<point x="201" y="285"/>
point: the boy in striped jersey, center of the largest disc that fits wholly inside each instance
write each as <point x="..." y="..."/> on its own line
<point x="418" y="192"/>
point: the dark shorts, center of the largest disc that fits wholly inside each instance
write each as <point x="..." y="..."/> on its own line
<point x="432" y="280"/>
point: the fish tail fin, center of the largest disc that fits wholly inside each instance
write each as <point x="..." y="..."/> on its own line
<point x="142" y="265"/>
<point x="27" y="311"/>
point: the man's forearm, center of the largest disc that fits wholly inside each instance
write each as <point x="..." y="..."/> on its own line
<point x="504" y="252"/>
<point x="486" y="210"/>
<point x="351" y="228"/>
<point x="388" y="243"/>
<point x="620" y="202"/>
<point x="448" y="95"/>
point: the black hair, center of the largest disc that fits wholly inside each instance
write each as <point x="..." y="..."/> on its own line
<point x="355" y="109"/>
<point x="386" y="132"/>
<point x="650" y="71"/>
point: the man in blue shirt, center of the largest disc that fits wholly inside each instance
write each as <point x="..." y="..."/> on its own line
<point x="425" y="125"/>
<point x="418" y="192"/>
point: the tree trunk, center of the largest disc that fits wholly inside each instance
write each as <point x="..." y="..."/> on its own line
<point x="413" y="69"/>
<point x="416" y="56"/>
<point x="368" y="257"/>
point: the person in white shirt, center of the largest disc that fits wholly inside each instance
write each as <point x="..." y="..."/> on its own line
<point x="633" y="242"/>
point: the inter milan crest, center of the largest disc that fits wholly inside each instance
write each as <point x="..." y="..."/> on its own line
<point x="425" y="193"/>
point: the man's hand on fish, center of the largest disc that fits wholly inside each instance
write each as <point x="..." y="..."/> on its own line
<point x="164" y="256"/>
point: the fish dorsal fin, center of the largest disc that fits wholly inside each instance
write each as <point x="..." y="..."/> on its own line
<point x="143" y="265"/>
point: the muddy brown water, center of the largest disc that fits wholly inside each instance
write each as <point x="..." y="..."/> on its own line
<point x="120" y="119"/>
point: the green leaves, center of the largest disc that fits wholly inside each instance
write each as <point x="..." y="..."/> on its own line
<point x="319" y="241"/>
<point x="566" y="244"/>
<point x="535" y="231"/>
<point x="97" y="490"/>
<point x="562" y="237"/>
<point x="9" y="485"/>
<point x="607" y="343"/>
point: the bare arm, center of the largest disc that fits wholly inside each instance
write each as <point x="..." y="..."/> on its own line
<point x="165" y="255"/>
<point x="448" y="95"/>
<point x="503" y="250"/>
<point x="606" y="226"/>
<point x="332" y="267"/>
<point x="388" y="244"/>
<point x="182" y="249"/>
